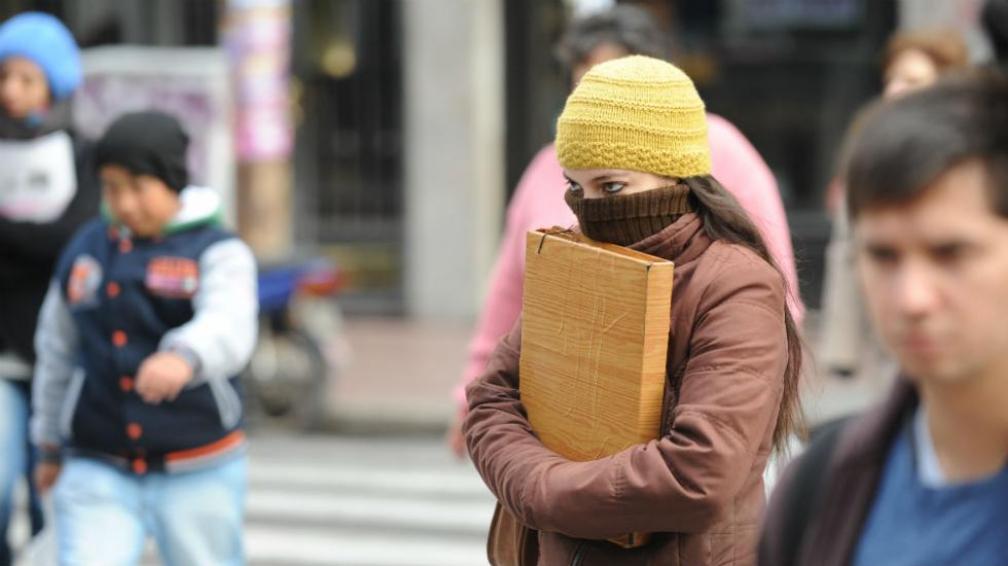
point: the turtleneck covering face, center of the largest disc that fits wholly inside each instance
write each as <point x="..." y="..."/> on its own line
<point x="626" y="219"/>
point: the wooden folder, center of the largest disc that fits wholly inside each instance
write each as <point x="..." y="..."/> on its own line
<point x="595" y="326"/>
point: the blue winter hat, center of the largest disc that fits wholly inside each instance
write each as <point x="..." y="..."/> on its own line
<point x="44" y="40"/>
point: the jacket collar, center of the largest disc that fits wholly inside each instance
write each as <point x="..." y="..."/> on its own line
<point x="199" y="206"/>
<point x="868" y="439"/>
<point x="681" y="242"/>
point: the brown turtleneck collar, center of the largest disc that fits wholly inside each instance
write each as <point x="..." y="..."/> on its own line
<point x="682" y="241"/>
<point x="627" y="219"/>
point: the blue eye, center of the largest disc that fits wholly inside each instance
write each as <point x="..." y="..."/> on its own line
<point x="572" y="186"/>
<point x="612" y="188"/>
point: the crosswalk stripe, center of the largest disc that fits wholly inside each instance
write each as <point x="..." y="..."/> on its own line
<point x="279" y="546"/>
<point x="428" y="482"/>
<point x="372" y="510"/>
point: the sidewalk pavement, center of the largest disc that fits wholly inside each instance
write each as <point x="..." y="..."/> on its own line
<point x="402" y="371"/>
<point x="399" y="375"/>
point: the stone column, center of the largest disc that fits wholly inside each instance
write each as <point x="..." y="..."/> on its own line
<point x="454" y="151"/>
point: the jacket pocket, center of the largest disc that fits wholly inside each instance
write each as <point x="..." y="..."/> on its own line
<point x="229" y="406"/>
<point x="69" y="407"/>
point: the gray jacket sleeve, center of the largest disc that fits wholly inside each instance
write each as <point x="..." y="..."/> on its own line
<point x="56" y="342"/>
<point x="222" y="332"/>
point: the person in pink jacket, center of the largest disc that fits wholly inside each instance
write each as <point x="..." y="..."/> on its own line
<point x="538" y="201"/>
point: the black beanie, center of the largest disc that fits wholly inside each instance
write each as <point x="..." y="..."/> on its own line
<point x="146" y="143"/>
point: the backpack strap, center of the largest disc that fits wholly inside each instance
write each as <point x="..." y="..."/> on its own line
<point x="803" y="500"/>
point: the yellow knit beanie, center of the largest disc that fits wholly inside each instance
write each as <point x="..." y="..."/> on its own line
<point x="635" y="113"/>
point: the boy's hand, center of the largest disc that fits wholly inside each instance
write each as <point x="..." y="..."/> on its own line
<point x="162" y="376"/>
<point x="45" y="475"/>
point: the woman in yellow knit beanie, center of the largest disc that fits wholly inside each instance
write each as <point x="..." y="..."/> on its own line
<point x="632" y="140"/>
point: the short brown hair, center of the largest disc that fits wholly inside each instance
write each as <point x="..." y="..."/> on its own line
<point x="945" y="47"/>
<point x="904" y="144"/>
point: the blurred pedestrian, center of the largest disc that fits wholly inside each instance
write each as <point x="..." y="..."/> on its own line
<point x="538" y="199"/>
<point x="921" y="479"/>
<point x="643" y="180"/>
<point x="994" y="19"/>
<point x="149" y="318"/>
<point x="915" y="59"/>
<point x="912" y="61"/>
<point x="47" y="190"/>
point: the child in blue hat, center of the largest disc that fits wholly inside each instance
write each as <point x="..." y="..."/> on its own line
<point x="47" y="190"/>
<point x="40" y="52"/>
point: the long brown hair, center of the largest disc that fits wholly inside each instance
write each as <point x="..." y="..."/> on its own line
<point x="724" y="219"/>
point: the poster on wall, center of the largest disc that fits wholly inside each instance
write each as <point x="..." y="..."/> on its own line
<point x="256" y="37"/>
<point x="190" y="83"/>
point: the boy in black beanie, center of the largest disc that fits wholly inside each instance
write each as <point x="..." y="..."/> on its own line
<point x="148" y="321"/>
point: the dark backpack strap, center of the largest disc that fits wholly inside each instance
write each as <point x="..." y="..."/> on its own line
<point x="803" y="500"/>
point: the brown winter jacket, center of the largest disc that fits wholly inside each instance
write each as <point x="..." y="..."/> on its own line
<point x="699" y="487"/>
<point x="838" y="506"/>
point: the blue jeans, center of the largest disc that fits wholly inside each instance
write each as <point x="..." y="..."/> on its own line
<point x="104" y="514"/>
<point x="16" y="458"/>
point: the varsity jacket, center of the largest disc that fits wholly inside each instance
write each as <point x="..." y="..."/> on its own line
<point x="114" y="301"/>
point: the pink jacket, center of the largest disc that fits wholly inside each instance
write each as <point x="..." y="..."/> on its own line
<point x="538" y="202"/>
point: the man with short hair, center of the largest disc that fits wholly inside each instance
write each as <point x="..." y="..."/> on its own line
<point x="921" y="479"/>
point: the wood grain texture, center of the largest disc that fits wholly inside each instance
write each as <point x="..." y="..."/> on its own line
<point x="595" y="326"/>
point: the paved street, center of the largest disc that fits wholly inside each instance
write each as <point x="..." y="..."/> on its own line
<point x="363" y="501"/>
<point x="359" y="502"/>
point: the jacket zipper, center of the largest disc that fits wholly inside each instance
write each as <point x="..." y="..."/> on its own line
<point x="579" y="551"/>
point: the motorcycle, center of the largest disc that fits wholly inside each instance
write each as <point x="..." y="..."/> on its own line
<point x="301" y="347"/>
